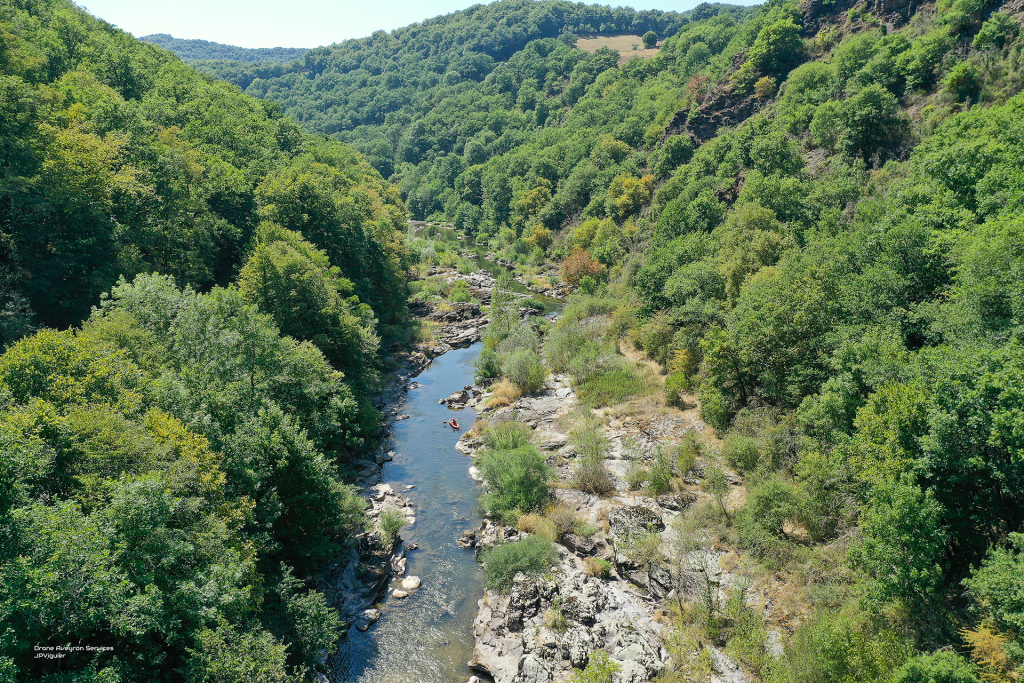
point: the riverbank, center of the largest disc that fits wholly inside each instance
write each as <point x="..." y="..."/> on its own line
<point x="545" y="628"/>
<point x="413" y="601"/>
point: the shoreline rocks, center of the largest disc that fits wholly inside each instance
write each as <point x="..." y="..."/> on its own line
<point x="516" y="639"/>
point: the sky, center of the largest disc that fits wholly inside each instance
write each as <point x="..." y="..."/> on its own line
<point x="301" y="23"/>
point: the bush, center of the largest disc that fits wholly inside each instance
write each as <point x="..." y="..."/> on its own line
<point x="389" y="524"/>
<point x="675" y="385"/>
<point x="595" y="566"/>
<point x="460" y="293"/>
<point x="661" y="474"/>
<point x="686" y="456"/>
<point x="740" y="452"/>
<point x="636" y="475"/>
<point x="524" y="369"/>
<point x="563" y="344"/>
<point x="488" y="365"/>
<point x="996" y="32"/>
<point x="518" y="480"/>
<point x="506" y="435"/>
<point x="521" y="337"/>
<point x="772" y="503"/>
<point x="579" y="265"/>
<point x="600" y="669"/>
<point x="563" y="519"/>
<point x="938" y="667"/>
<point x="964" y="82"/>
<point x="592" y="476"/>
<point x="533" y="556"/>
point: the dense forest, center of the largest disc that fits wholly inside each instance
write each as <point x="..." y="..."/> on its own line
<point x="192" y="49"/>
<point x="809" y="216"/>
<point x="193" y="295"/>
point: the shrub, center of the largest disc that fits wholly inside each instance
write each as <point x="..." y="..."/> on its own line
<point x="524" y="369"/>
<point x="661" y="474"/>
<point x="740" y="452"/>
<point x="675" y="385"/>
<point x="521" y="337"/>
<point x="533" y="556"/>
<point x="518" y="480"/>
<point x="579" y="265"/>
<point x="389" y="524"/>
<point x="643" y="548"/>
<point x="563" y="519"/>
<point x="563" y="344"/>
<point x="996" y="32"/>
<point x="636" y="475"/>
<point x="488" y="365"/>
<point x="964" y="82"/>
<point x="938" y="667"/>
<point x="765" y="87"/>
<point x="595" y="566"/>
<point x="592" y="476"/>
<point x="650" y="40"/>
<point x="686" y="456"/>
<point x="503" y="393"/>
<point x="507" y="435"/>
<point x="459" y="292"/>
<point x="773" y="502"/>
<point x="600" y="669"/>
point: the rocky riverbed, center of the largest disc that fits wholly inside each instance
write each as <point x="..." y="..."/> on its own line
<point x="544" y="628"/>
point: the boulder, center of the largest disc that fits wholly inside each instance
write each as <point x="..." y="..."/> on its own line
<point x="367" y="618"/>
<point x="578" y="544"/>
<point x="410" y="583"/>
<point x="532" y="669"/>
<point x="630" y="519"/>
<point x="468" y="539"/>
<point x="677" y="501"/>
<point x="577" y="645"/>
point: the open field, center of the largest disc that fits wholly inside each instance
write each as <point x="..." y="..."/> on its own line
<point x="623" y="43"/>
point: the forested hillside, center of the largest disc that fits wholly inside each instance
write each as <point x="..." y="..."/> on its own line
<point x="467" y="78"/>
<point x="811" y="220"/>
<point x="192" y="298"/>
<point x="810" y="217"/>
<point x="191" y="49"/>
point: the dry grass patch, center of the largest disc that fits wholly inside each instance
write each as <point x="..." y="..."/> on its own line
<point x="503" y="393"/>
<point x="622" y="43"/>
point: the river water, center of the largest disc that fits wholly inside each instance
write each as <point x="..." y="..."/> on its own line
<point x="427" y="637"/>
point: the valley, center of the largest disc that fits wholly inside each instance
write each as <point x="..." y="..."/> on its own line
<point x="731" y="324"/>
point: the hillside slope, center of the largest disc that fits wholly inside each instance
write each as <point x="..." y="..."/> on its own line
<point x="811" y="220"/>
<point x="191" y="49"/>
<point x="191" y="297"/>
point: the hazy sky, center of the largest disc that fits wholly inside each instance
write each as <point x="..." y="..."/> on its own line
<point x="301" y="23"/>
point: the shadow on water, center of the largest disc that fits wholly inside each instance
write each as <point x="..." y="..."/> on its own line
<point x="427" y="637"/>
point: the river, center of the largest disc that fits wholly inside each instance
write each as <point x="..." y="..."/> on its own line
<point x="427" y="637"/>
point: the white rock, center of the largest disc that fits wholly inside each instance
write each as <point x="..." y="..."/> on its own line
<point x="410" y="583"/>
<point x="399" y="593"/>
